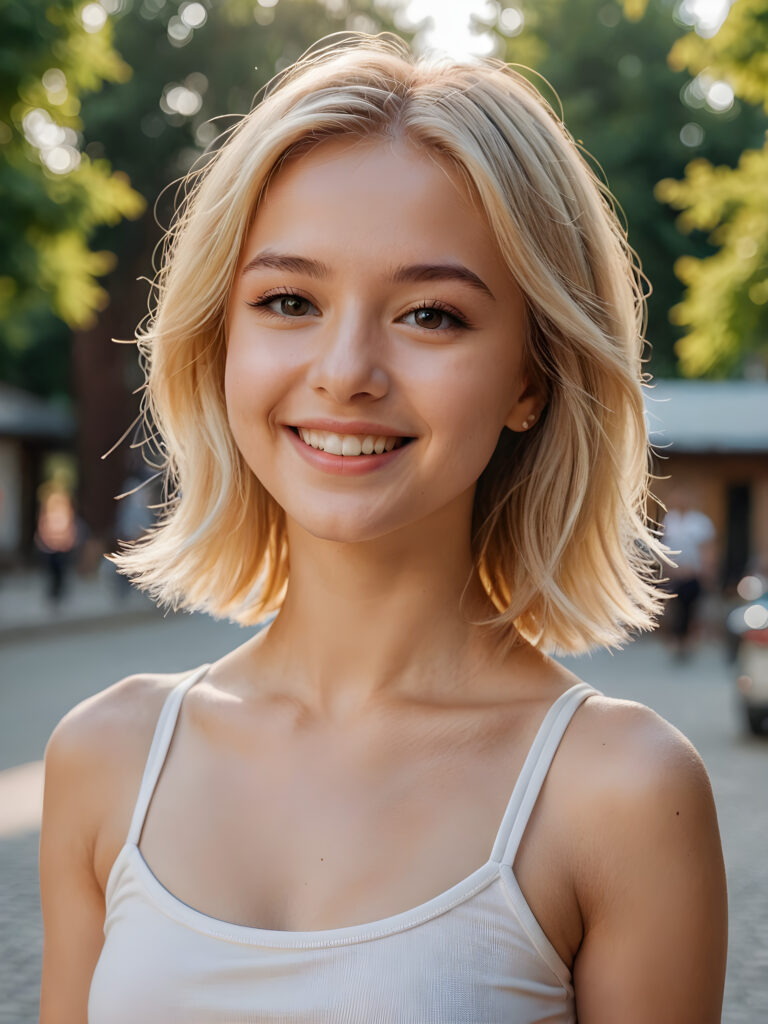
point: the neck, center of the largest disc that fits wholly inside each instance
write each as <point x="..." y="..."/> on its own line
<point x="370" y="621"/>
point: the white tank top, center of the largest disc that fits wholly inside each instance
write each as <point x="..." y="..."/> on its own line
<point x="475" y="954"/>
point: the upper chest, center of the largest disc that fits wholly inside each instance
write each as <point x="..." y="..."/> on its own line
<point x="264" y="823"/>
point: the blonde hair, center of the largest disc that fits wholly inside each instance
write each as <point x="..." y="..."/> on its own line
<point x="559" y="533"/>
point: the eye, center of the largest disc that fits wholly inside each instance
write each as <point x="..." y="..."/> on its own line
<point x="290" y="305"/>
<point x="285" y="304"/>
<point x="434" y="317"/>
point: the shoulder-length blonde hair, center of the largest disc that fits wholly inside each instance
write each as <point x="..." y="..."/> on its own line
<point x="559" y="532"/>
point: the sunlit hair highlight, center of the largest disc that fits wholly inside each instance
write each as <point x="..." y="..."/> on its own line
<point x="559" y="532"/>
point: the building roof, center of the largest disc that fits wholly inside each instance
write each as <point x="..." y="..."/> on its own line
<point x="24" y="415"/>
<point x="708" y="415"/>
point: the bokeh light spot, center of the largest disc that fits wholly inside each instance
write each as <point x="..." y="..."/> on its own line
<point x="691" y="134"/>
<point x="178" y="31"/>
<point x="205" y="134"/>
<point x="756" y="616"/>
<point x="750" y="588"/>
<point x="746" y="248"/>
<point x="61" y="159"/>
<point x="609" y="15"/>
<point x="54" y="80"/>
<point x="193" y="15"/>
<point x="178" y="99"/>
<point x="152" y="126"/>
<point x="630" y="66"/>
<point x="720" y="96"/>
<point x="511" y="21"/>
<point x="93" y="17"/>
<point x="706" y="16"/>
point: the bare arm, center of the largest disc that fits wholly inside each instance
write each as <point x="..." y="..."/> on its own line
<point x="93" y="765"/>
<point x="653" y="893"/>
<point x="72" y="901"/>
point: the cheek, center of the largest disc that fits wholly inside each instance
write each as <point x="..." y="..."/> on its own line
<point x="241" y="387"/>
<point x="255" y="375"/>
<point x="470" y="408"/>
<point x="251" y="396"/>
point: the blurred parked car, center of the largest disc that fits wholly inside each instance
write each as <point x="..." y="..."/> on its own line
<point x="748" y="627"/>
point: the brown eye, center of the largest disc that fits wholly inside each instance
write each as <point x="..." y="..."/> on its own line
<point x="286" y="305"/>
<point x="434" y="318"/>
<point x="429" y="318"/>
<point x="294" y="305"/>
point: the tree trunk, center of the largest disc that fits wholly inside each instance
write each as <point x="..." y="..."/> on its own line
<point x="105" y="410"/>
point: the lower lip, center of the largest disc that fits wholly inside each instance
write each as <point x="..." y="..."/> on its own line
<point x="344" y="465"/>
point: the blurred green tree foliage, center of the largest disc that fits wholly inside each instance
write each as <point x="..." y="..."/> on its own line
<point x="640" y="118"/>
<point x="158" y="123"/>
<point x="725" y="308"/>
<point x="53" y="197"/>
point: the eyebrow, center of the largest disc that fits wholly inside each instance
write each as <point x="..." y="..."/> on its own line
<point x="269" y="260"/>
<point x="440" y="272"/>
<point x="405" y="274"/>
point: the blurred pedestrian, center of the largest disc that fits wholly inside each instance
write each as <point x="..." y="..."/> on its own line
<point x="690" y="535"/>
<point x="56" y="538"/>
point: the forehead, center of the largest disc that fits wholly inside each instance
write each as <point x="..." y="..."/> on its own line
<point x="364" y="200"/>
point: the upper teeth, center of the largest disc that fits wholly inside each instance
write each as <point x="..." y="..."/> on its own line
<point x="347" y="444"/>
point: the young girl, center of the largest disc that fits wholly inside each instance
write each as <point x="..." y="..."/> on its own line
<point x="395" y="366"/>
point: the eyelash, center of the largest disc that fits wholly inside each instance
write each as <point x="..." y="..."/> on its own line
<point x="264" y="300"/>
<point x="459" y="320"/>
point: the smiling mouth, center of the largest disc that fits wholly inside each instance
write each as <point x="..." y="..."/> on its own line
<point x="349" y="444"/>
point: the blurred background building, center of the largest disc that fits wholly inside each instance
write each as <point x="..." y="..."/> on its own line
<point x="711" y="440"/>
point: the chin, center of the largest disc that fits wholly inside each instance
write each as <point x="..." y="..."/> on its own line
<point x="346" y="528"/>
<point x="343" y="533"/>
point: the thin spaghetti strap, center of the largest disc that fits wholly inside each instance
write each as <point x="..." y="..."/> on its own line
<point x="158" y="751"/>
<point x="534" y="771"/>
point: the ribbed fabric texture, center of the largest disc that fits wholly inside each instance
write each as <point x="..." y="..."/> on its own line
<point x="475" y="954"/>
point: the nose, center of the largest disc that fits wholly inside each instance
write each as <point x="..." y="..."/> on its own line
<point x="348" y="360"/>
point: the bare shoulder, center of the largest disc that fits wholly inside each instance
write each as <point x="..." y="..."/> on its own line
<point x="638" y="798"/>
<point x="645" y="866"/>
<point x="622" y="771"/>
<point x="109" y="724"/>
<point x="94" y="760"/>
<point x="622" y="750"/>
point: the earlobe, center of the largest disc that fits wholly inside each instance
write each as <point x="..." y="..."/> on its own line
<point x="520" y="425"/>
<point x="526" y="412"/>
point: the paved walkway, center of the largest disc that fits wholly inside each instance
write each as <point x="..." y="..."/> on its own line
<point x="20" y="930"/>
<point x="88" y="600"/>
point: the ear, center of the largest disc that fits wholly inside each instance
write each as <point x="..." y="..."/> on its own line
<point x="527" y="409"/>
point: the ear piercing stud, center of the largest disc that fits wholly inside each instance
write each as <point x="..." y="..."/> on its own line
<point x="529" y="421"/>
